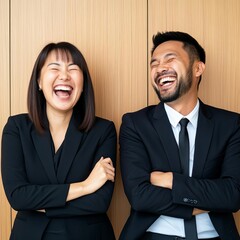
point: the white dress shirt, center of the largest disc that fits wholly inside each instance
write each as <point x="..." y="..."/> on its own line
<point x="175" y="226"/>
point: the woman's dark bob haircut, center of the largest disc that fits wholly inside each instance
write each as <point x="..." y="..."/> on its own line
<point x="36" y="102"/>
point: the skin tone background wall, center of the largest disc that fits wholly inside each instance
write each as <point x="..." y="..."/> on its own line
<point x="115" y="38"/>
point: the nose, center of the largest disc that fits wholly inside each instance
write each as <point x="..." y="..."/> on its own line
<point x="162" y="68"/>
<point x="64" y="75"/>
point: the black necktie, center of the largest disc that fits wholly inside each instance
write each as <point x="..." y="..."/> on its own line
<point x="190" y="225"/>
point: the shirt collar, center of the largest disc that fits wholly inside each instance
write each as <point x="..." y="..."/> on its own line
<point x="174" y="116"/>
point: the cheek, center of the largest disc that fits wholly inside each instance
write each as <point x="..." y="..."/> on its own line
<point x="78" y="79"/>
<point x="46" y="85"/>
<point x="45" y="80"/>
<point x="80" y="86"/>
<point x="80" y="82"/>
<point x="153" y="74"/>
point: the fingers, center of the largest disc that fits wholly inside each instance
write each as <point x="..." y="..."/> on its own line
<point x="106" y="160"/>
<point x="107" y="165"/>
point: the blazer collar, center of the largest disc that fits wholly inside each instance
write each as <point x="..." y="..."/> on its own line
<point x="165" y="133"/>
<point x="202" y="143"/>
<point x="72" y="143"/>
<point x="43" y="143"/>
<point x="204" y="135"/>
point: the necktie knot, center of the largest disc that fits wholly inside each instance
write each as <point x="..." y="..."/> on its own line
<point x="184" y="122"/>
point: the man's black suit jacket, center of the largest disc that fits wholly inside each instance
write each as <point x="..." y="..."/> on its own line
<point x="147" y="144"/>
<point x="31" y="182"/>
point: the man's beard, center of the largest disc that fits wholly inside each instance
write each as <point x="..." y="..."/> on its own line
<point x="182" y="88"/>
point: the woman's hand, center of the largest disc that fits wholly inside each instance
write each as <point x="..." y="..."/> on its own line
<point x="101" y="173"/>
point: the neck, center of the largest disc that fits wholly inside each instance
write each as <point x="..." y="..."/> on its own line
<point x="58" y="121"/>
<point x="184" y="105"/>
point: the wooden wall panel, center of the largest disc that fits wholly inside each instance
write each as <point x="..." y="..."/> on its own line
<point x="173" y="15"/>
<point x="115" y="38"/>
<point x="215" y="24"/>
<point x="5" y="216"/>
<point x="112" y="37"/>
<point x="221" y="86"/>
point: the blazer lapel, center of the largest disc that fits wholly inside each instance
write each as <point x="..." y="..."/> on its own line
<point x="165" y="133"/>
<point x="72" y="143"/>
<point x="203" y="140"/>
<point x="43" y="145"/>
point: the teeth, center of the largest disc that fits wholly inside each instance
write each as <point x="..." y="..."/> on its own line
<point x="63" y="88"/>
<point x="167" y="79"/>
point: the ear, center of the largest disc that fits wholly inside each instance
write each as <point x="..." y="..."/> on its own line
<point x="39" y="85"/>
<point x="200" y="67"/>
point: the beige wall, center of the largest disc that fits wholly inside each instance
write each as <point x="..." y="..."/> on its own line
<point x="5" y="210"/>
<point x="115" y="38"/>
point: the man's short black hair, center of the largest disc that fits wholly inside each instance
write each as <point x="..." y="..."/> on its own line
<point x="190" y="44"/>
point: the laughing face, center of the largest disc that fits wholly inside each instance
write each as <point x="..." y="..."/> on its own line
<point x="61" y="82"/>
<point x="171" y="71"/>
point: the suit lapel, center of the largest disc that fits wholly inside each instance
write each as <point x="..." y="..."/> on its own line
<point x="72" y="143"/>
<point x="203" y="140"/>
<point x="165" y="133"/>
<point x="43" y="145"/>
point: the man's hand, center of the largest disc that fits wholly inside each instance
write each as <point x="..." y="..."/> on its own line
<point x="161" y="179"/>
<point x="197" y="211"/>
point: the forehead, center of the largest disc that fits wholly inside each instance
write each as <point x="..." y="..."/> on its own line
<point x="170" y="47"/>
<point x="59" y="55"/>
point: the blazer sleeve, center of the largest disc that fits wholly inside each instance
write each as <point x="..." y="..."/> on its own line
<point x="21" y="194"/>
<point x="136" y="168"/>
<point x="99" y="201"/>
<point x="219" y="194"/>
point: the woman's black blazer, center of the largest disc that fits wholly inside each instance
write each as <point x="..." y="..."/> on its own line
<point x="31" y="183"/>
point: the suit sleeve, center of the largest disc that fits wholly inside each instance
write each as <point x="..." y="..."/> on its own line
<point x="136" y="169"/>
<point x="99" y="201"/>
<point x="219" y="194"/>
<point x="21" y="194"/>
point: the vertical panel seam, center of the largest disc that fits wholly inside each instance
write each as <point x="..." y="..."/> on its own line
<point x="10" y="56"/>
<point x="147" y="77"/>
<point x="10" y="76"/>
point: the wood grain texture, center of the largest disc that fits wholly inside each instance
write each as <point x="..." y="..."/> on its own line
<point x="5" y="211"/>
<point x="115" y="38"/>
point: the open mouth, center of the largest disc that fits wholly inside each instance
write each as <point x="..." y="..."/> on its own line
<point x="166" y="78"/>
<point x="166" y="81"/>
<point x="63" y="90"/>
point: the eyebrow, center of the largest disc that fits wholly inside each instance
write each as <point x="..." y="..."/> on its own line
<point x="72" y="64"/>
<point x="153" y="60"/>
<point x="53" y="63"/>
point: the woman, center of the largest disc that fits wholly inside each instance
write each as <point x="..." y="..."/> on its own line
<point x="58" y="160"/>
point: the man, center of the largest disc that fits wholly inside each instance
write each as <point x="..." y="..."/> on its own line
<point x="167" y="194"/>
